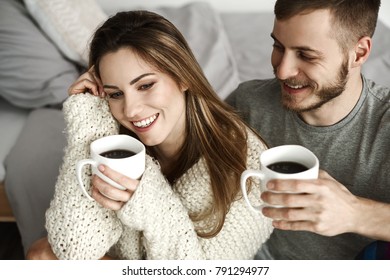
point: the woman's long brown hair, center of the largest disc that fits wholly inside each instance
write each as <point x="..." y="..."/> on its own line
<point x="213" y="130"/>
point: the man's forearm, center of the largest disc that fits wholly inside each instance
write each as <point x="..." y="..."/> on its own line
<point x="374" y="220"/>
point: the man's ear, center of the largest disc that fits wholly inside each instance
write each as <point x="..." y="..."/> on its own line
<point x="361" y="52"/>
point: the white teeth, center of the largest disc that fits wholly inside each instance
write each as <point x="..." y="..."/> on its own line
<point x="145" y="123"/>
<point x="295" y="86"/>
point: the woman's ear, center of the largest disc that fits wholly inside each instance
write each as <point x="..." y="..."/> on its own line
<point x="361" y="51"/>
<point x="183" y="88"/>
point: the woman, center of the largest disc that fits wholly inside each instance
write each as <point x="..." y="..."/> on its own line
<point x="188" y="204"/>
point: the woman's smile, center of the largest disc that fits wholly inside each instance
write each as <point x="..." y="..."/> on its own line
<point x="145" y="122"/>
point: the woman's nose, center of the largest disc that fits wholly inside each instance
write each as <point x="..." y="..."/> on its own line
<point x="132" y="106"/>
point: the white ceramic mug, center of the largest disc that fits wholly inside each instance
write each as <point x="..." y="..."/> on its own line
<point x="278" y="156"/>
<point x="131" y="166"/>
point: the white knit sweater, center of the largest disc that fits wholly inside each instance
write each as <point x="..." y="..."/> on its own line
<point x="154" y="223"/>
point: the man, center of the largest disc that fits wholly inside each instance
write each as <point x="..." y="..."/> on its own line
<point x="320" y="100"/>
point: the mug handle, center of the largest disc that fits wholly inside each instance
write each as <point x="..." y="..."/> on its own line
<point x="244" y="176"/>
<point x="79" y="167"/>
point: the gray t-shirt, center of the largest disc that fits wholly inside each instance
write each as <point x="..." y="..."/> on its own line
<point x="354" y="151"/>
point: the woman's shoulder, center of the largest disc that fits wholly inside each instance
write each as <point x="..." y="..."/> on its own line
<point x="256" y="146"/>
<point x="255" y="140"/>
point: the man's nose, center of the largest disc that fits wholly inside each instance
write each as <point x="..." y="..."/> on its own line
<point x="287" y="66"/>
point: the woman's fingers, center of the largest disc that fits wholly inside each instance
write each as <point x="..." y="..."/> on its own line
<point x="84" y="86"/>
<point x="109" y="196"/>
<point x="126" y="182"/>
<point x="110" y="191"/>
<point x="105" y="201"/>
<point x="87" y="82"/>
<point x="101" y="92"/>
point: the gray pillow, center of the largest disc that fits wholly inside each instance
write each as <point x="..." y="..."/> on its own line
<point x="377" y="67"/>
<point x="69" y="24"/>
<point x="33" y="73"/>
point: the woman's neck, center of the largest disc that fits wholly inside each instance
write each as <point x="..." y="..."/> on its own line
<point x="165" y="158"/>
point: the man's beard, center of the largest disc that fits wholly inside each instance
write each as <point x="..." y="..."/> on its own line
<point x="325" y="95"/>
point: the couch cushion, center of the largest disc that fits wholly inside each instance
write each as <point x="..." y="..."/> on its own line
<point x="68" y="23"/>
<point x="12" y="120"/>
<point x="33" y="73"/>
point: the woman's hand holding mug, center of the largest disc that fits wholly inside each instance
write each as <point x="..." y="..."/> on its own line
<point x="117" y="161"/>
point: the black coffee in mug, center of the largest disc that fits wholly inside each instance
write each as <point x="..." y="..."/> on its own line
<point x="287" y="167"/>
<point x="119" y="153"/>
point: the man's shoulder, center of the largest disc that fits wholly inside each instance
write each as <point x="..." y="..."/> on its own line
<point x="258" y="86"/>
<point x="379" y="92"/>
<point x="254" y="91"/>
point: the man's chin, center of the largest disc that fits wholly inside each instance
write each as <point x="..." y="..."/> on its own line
<point x="294" y="107"/>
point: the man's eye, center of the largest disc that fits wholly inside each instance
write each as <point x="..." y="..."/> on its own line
<point x="146" y="86"/>
<point x="305" y="57"/>
<point x="115" y="95"/>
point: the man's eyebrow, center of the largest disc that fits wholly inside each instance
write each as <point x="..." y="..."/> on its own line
<point x="132" y="82"/>
<point x="299" y="48"/>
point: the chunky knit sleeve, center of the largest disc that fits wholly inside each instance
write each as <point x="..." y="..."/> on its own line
<point x="158" y="212"/>
<point x="161" y="212"/>
<point x="77" y="227"/>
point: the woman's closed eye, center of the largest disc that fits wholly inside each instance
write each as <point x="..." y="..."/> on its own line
<point x="115" y="95"/>
<point x="146" y="86"/>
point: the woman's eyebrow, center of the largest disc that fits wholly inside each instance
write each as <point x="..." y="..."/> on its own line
<point x="132" y="82"/>
<point x="110" y="86"/>
<point x="140" y="77"/>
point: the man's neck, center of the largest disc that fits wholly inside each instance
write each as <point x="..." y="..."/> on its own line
<point x="338" y="108"/>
